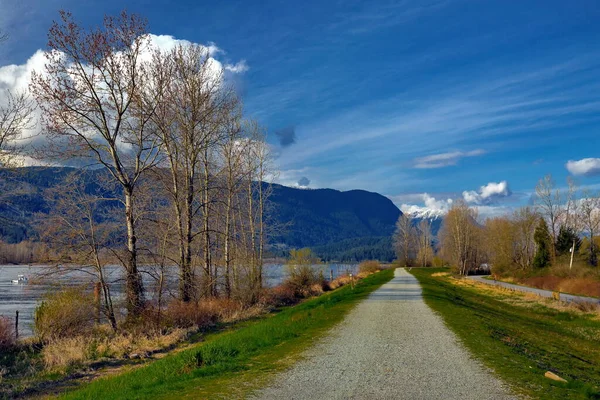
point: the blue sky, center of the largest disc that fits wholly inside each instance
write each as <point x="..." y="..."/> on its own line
<point x="399" y="97"/>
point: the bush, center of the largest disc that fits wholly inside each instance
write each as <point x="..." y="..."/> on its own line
<point x="7" y="334"/>
<point x="66" y="313"/>
<point x="369" y="266"/>
<point x="302" y="280"/>
<point x="202" y="314"/>
<point x="279" y="296"/>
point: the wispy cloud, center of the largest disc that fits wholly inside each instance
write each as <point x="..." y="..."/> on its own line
<point x="237" y="68"/>
<point x="445" y="159"/>
<point x="584" y="167"/>
<point x="375" y="16"/>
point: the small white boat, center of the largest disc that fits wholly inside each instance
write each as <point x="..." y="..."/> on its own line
<point x="21" y="279"/>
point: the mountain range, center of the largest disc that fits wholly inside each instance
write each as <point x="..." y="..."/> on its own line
<point x="342" y="226"/>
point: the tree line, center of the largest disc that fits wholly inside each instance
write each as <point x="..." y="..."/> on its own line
<point x="559" y="222"/>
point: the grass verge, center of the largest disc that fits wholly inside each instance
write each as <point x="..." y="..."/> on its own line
<point x="232" y="364"/>
<point x="520" y="338"/>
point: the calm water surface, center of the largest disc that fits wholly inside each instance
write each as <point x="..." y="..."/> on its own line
<point x="25" y="297"/>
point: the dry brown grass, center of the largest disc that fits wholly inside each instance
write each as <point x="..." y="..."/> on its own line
<point x="67" y="352"/>
<point x="580" y="286"/>
<point x="369" y="266"/>
<point x="7" y="334"/>
<point x="528" y="299"/>
<point x="340" y="281"/>
<point x="203" y="314"/>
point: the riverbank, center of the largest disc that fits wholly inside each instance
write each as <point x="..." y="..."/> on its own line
<point x="520" y="336"/>
<point x="233" y="363"/>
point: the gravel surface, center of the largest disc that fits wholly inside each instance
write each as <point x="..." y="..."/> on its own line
<point x="390" y="346"/>
<point x="540" y="292"/>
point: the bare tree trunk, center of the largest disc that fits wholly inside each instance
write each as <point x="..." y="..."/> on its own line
<point x="133" y="279"/>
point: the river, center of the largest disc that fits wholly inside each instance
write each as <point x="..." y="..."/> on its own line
<point x="25" y="297"/>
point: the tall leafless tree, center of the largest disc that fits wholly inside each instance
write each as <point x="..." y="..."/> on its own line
<point x="460" y="237"/>
<point x="16" y="116"/>
<point x="91" y="95"/>
<point x="589" y="215"/>
<point x="405" y="240"/>
<point x="424" y="242"/>
<point x="548" y="202"/>
<point x="80" y="231"/>
<point x="193" y="120"/>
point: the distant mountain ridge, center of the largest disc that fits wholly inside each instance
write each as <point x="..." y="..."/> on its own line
<point x="342" y="226"/>
<point x="322" y="216"/>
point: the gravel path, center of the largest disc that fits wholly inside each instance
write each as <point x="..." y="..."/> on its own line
<point x="390" y="346"/>
<point x="540" y="292"/>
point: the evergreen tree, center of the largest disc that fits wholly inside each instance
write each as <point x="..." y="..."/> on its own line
<point x="543" y="242"/>
<point x="565" y="239"/>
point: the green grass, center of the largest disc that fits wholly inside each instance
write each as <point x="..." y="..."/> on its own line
<point x="232" y="364"/>
<point x="520" y="340"/>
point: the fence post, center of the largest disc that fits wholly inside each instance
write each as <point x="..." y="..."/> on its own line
<point x="17" y="324"/>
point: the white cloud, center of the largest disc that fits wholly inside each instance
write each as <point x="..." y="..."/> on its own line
<point x="445" y="159"/>
<point x="585" y="166"/>
<point x="237" y="68"/>
<point x="16" y="78"/>
<point x="488" y="193"/>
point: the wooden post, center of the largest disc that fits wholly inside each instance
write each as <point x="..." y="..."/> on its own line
<point x="17" y="324"/>
<point x="572" y="253"/>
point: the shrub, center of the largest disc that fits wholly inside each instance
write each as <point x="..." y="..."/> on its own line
<point x="66" y="313"/>
<point x="278" y="296"/>
<point x="203" y="313"/>
<point x="7" y="334"/>
<point x="369" y="266"/>
<point x="301" y="280"/>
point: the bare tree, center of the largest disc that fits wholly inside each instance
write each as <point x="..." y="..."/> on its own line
<point x="232" y="152"/>
<point x="261" y="157"/>
<point x="424" y="241"/>
<point x="91" y="95"/>
<point x="405" y="240"/>
<point x="525" y="221"/>
<point x="589" y="216"/>
<point x="499" y="243"/>
<point x="81" y="232"/>
<point x="460" y="236"/>
<point x="16" y="116"/>
<point x="192" y="121"/>
<point x="548" y="203"/>
<point x="570" y="206"/>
